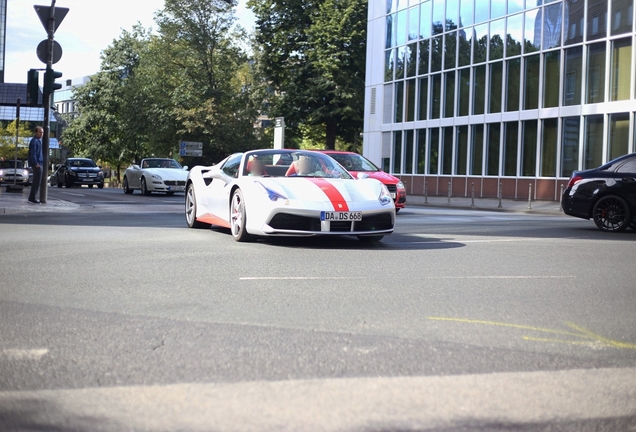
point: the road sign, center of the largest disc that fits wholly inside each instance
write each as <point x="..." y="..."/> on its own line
<point x="43" y="48"/>
<point x="44" y="12"/>
<point x="191" y="145"/>
<point x="190" y="152"/>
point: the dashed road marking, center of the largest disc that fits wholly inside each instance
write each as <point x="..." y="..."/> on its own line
<point x="582" y="335"/>
<point x="24" y="354"/>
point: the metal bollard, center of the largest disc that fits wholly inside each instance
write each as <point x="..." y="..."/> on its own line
<point x="561" y="198"/>
<point x="529" y="196"/>
<point x="449" y="192"/>
<point x="426" y="192"/>
<point x="472" y="195"/>
<point x="500" y="193"/>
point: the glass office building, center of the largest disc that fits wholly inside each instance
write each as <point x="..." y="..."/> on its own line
<point x="489" y="92"/>
<point x="3" y="36"/>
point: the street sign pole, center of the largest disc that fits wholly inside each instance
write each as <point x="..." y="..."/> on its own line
<point x="47" y="107"/>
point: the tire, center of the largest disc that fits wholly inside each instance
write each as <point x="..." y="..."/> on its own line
<point x="397" y="210"/>
<point x="127" y="190"/>
<point x="59" y="183"/>
<point x="68" y="183"/>
<point x="144" y="188"/>
<point x="191" y="209"/>
<point x="169" y="193"/>
<point x="611" y="214"/>
<point x="100" y="186"/>
<point x="370" y="238"/>
<point x="90" y="186"/>
<point x="238" y="218"/>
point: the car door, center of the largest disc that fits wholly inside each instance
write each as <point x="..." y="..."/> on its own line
<point x="219" y="189"/>
<point x="625" y="175"/>
<point x="134" y="177"/>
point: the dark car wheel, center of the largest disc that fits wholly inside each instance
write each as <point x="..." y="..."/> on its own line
<point x="90" y="186"/>
<point x="238" y="218"/>
<point x="68" y="183"/>
<point x="100" y="185"/>
<point x="397" y="210"/>
<point x="144" y="188"/>
<point x="127" y="189"/>
<point x="59" y="183"/>
<point x="191" y="209"/>
<point x="611" y="213"/>
<point x="169" y="193"/>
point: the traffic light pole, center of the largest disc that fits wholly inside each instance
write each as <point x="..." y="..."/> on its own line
<point x="46" y="139"/>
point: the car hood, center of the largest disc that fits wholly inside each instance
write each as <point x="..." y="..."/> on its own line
<point x="85" y="169"/>
<point x="384" y="177"/>
<point x="323" y="189"/>
<point x="168" y="173"/>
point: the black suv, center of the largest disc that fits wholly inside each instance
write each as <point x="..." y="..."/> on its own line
<point x="80" y="171"/>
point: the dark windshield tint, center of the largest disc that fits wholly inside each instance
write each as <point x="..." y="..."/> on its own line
<point x="82" y="163"/>
<point x="10" y="164"/>
<point x="354" y="162"/>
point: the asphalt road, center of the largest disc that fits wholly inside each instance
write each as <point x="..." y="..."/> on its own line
<point x="118" y="317"/>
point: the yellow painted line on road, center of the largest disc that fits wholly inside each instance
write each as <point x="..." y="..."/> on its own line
<point x="581" y="332"/>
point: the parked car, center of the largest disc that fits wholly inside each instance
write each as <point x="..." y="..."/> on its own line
<point x="52" y="179"/>
<point x="155" y="175"/>
<point x="287" y="192"/>
<point x="359" y="166"/>
<point x="12" y="170"/>
<point x="606" y="194"/>
<point x="79" y="171"/>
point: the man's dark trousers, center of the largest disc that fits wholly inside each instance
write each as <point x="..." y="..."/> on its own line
<point x="35" y="186"/>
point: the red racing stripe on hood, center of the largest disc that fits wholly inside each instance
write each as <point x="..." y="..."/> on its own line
<point x="334" y="195"/>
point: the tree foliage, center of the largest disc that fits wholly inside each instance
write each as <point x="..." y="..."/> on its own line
<point x="189" y="80"/>
<point x="313" y="56"/>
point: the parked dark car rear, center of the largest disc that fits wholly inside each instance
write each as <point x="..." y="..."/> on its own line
<point x="606" y="194"/>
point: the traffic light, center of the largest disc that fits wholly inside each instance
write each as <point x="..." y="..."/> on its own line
<point x="49" y="82"/>
<point x="33" y="87"/>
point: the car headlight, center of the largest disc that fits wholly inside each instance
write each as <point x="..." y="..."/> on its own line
<point x="73" y="173"/>
<point x="385" y="196"/>
<point x="100" y="174"/>
<point x="156" y="177"/>
<point x="400" y="186"/>
<point x="25" y="173"/>
<point x="1" y="172"/>
<point x="271" y="194"/>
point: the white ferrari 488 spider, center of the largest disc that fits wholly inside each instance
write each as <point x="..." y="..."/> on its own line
<point x="284" y="192"/>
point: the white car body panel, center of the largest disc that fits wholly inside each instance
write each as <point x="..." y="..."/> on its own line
<point x="174" y="176"/>
<point x="300" y="196"/>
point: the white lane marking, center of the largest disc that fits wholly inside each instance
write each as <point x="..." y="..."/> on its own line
<point x="74" y="194"/>
<point x="21" y="354"/>
<point x="297" y="278"/>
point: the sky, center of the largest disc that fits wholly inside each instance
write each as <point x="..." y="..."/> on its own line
<point x="89" y="27"/>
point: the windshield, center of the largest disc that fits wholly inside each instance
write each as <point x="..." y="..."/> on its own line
<point x="82" y="163"/>
<point x="160" y="163"/>
<point x="291" y="163"/>
<point x="10" y="164"/>
<point x="354" y="162"/>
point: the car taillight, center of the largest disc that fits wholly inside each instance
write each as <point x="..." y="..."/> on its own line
<point x="574" y="180"/>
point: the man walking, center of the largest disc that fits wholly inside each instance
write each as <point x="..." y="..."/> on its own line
<point x="36" y="160"/>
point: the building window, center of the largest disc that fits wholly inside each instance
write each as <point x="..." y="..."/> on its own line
<point x="423" y="99"/>
<point x="552" y="25"/>
<point x="461" y="153"/>
<point x="397" y="152"/>
<point x="531" y="80"/>
<point x="481" y="13"/>
<point x="479" y="89"/>
<point x="549" y="140"/>
<point x="513" y="77"/>
<point x="439" y="21"/>
<point x="400" y="62"/>
<point x="597" y="19"/>
<point x="410" y="100"/>
<point x="620" y="73"/>
<point x="551" y="75"/>
<point x="480" y="43"/>
<point x="532" y="31"/>
<point x="452" y="14"/>
<point x="447" y="150"/>
<point x="593" y="144"/>
<point x="511" y="140"/>
<point x="436" y="53"/>
<point x="411" y="60"/>
<point x="477" y="150"/>
<point x="514" y="35"/>
<point x="497" y="33"/>
<point x="399" y="102"/>
<point x="618" y="135"/>
<point x="408" y="152"/>
<point x="414" y="23"/>
<point x="570" y="145"/>
<point x="389" y="65"/>
<point x="421" y="151"/>
<point x="466" y="10"/>
<point x="573" y="84"/>
<point x="493" y="149"/>
<point x="450" y="50"/>
<point x="425" y="19"/>
<point x="449" y="92"/>
<point x="436" y="95"/>
<point x="433" y="155"/>
<point x="596" y="73"/>
<point x="465" y="47"/>
<point x="494" y="95"/>
<point x="423" y="58"/>
<point x="529" y="149"/>
<point x="463" y="92"/>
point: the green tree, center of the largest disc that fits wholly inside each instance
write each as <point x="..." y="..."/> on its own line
<point x="313" y="56"/>
<point x="7" y="140"/>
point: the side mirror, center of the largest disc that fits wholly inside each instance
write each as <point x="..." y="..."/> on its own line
<point x="362" y="175"/>
<point x="185" y="168"/>
<point x="136" y="167"/>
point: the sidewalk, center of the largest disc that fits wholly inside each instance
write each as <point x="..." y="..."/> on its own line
<point x="17" y="202"/>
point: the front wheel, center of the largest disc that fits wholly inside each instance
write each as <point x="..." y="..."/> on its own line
<point x="370" y="238"/>
<point x="100" y="186"/>
<point x="144" y="188"/>
<point x="58" y="183"/>
<point x="169" y="193"/>
<point x="90" y="186"/>
<point x="238" y="218"/>
<point x="612" y="214"/>
<point x="127" y="189"/>
<point x="191" y="209"/>
<point x="68" y="183"/>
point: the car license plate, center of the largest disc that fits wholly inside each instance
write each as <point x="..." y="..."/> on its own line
<point x="176" y="188"/>
<point x="341" y="216"/>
